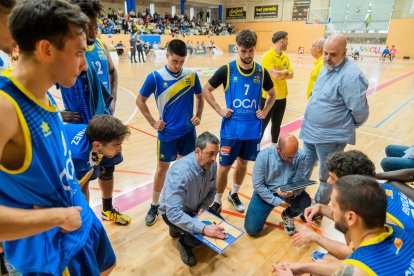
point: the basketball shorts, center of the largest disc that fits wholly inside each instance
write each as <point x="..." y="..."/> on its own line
<point x="168" y="151"/>
<point x="231" y="149"/>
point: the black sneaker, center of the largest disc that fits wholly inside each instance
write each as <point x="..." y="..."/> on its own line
<point x="152" y="215"/>
<point x="174" y="233"/>
<point x="238" y="205"/>
<point x="186" y="254"/>
<point x="215" y="208"/>
<point x="315" y="217"/>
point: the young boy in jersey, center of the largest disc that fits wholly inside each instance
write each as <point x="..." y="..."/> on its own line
<point x="400" y="208"/>
<point x="359" y="210"/>
<point x="36" y="166"/>
<point x="174" y="88"/>
<point x="241" y="127"/>
<point x="93" y="94"/>
<point x="89" y="144"/>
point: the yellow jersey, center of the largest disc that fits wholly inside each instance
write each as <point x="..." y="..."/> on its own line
<point x="314" y="76"/>
<point x="272" y="59"/>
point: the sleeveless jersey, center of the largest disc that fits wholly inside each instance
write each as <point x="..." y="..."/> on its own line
<point x="390" y="253"/>
<point x="174" y="95"/>
<point x="242" y="95"/>
<point x="400" y="209"/>
<point x="45" y="179"/>
<point x="97" y="55"/>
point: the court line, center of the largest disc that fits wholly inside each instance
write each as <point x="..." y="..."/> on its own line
<point x="389" y="82"/>
<point x="136" y="108"/>
<point x="380" y="136"/>
<point x="133" y="172"/>
<point x="140" y="130"/>
<point x="394" y="112"/>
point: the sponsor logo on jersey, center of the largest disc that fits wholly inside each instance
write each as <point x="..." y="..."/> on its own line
<point x="225" y="150"/>
<point x="45" y="129"/>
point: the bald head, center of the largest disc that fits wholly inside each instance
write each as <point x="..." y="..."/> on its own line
<point x="334" y="50"/>
<point x="288" y="147"/>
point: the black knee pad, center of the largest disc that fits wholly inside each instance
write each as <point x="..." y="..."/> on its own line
<point x="106" y="173"/>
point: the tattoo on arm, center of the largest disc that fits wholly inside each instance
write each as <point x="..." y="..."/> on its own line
<point x="346" y="270"/>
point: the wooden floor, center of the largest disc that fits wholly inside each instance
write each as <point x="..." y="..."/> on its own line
<point x="143" y="250"/>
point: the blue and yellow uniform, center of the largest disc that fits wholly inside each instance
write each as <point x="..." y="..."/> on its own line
<point x="240" y="133"/>
<point x="47" y="179"/>
<point x="400" y="209"/>
<point x="174" y="94"/>
<point x="98" y="57"/>
<point x="390" y="253"/>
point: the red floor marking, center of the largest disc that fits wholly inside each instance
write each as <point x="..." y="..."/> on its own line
<point x="133" y="172"/>
<point x="98" y="189"/>
<point x="140" y="130"/>
<point x="243" y="216"/>
<point x="389" y="82"/>
<point x="54" y="96"/>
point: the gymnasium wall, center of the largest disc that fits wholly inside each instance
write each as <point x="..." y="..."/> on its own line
<point x="399" y="34"/>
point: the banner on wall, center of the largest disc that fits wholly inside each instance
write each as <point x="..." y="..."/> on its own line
<point x="266" y="11"/>
<point x="232" y="48"/>
<point x="236" y="13"/>
<point x="300" y="9"/>
<point x="366" y="49"/>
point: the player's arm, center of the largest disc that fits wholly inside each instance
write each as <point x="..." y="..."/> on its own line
<point x="9" y="126"/>
<point x="404" y="175"/>
<point x="143" y="107"/>
<point x="20" y="223"/>
<point x="270" y="100"/>
<point x="316" y="268"/>
<point x="288" y="72"/>
<point x="195" y="120"/>
<point x="349" y="270"/>
<point x="113" y="78"/>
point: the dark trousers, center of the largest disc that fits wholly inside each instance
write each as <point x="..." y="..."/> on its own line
<point x="140" y="53"/>
<point x="134" y="55"/>
<point x="186" y="238"/>
<point x="259" y="210"/>
<point x="276" y="114"/>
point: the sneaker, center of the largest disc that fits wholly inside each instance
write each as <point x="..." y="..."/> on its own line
<point x="289" y="224"/>
<point x="315" y="217"/>
<point x="317" y="255"/>
<point x="238" y="205"/>
<point x="215" y="208"/>
<point x="174" y="233"/>
<point x="115" y="216"/>
<point x="186" y="254"/>
<point x="152" y="215"/>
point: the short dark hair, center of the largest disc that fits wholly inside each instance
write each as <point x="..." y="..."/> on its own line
<point x="364" y="196"/>
<point x="177" y="47"/>
<point x="246" y="38"/>
<point x="35" y="20"/>
<point x="278" y="36"/>
<point x="6" y="6"/>
<point x="92" y="8"/>
<point x="350" y="162"/>
<point x="204" y="138"/>
<point x="106" y="128"/>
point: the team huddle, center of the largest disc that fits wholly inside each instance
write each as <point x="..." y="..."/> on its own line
<point x="48" y="157"/>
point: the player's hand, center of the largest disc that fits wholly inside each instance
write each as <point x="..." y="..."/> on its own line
<point x="226" y="112"/>
<point x="286" y="194"/>
<point x="159" y="125"/>
<point x="214" y="231"/>
<point x="200" y="211"/>
<point x="260" y="114"/>
<point x="302" y="238"/>
<point x="70" y="117"/>
<point x="72" y="219"/>
<point x="195" y="121"/>
<point x="284" y="204"/>
<point x="281" y="270"/>
<point x="312" y="211"/>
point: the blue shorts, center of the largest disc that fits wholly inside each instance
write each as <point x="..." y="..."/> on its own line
<point x="231" y="149"/>
<point x="96" y="256"/>
<point x="106" y="163"/>
<point x="168" y="151"/>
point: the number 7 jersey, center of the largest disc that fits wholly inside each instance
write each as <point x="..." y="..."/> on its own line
<point x="242" y="93"/>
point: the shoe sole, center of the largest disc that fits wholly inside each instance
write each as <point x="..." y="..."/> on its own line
<point x="116" y="222"/>
<point x="234" y="205"/>
<point x="153" y="222"/>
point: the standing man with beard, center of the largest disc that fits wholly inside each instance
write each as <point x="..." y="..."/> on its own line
<point x="243" y="80"/>
<point x="94" y="93"/>
<point x="280" y="70"/>
<point x="337" y="107"/>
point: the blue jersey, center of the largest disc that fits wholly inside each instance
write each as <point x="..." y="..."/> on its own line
<point x="98" y="57"/>
<point x="400" y="209"/>
<point x="174" y="95"/>
<point x="390" y="253"/>
<point x="45" y="179"/>
<point x="242" y="93"/>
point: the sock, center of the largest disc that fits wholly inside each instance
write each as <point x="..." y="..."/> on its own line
<point x="218" y="197"/>
<point x="156" y="198"/>
<point x="107" y="204"/>
<point x="235" y="189"/>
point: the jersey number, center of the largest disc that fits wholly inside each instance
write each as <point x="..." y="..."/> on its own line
<point x="247" y="89"/>
<point x="98" y="68"/>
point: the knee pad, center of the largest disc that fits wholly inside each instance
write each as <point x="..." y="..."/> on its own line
<point x="106" y="173"/>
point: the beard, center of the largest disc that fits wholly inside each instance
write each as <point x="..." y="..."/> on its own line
<point x="90" y="41"/>
<point x="246" y="61"/>
<point x="341" y="226"/>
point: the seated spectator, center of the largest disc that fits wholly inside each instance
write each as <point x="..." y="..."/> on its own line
<point x="120" y="48"/>
<point x="398" y="157"/>
<point x="274" y="167"/>
<point x="155" y="46"/>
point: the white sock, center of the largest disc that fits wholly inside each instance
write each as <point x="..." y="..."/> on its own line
<point x="156" y="198"/>
<point x="235" y="188"/>
<point x="218" y="197"/>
